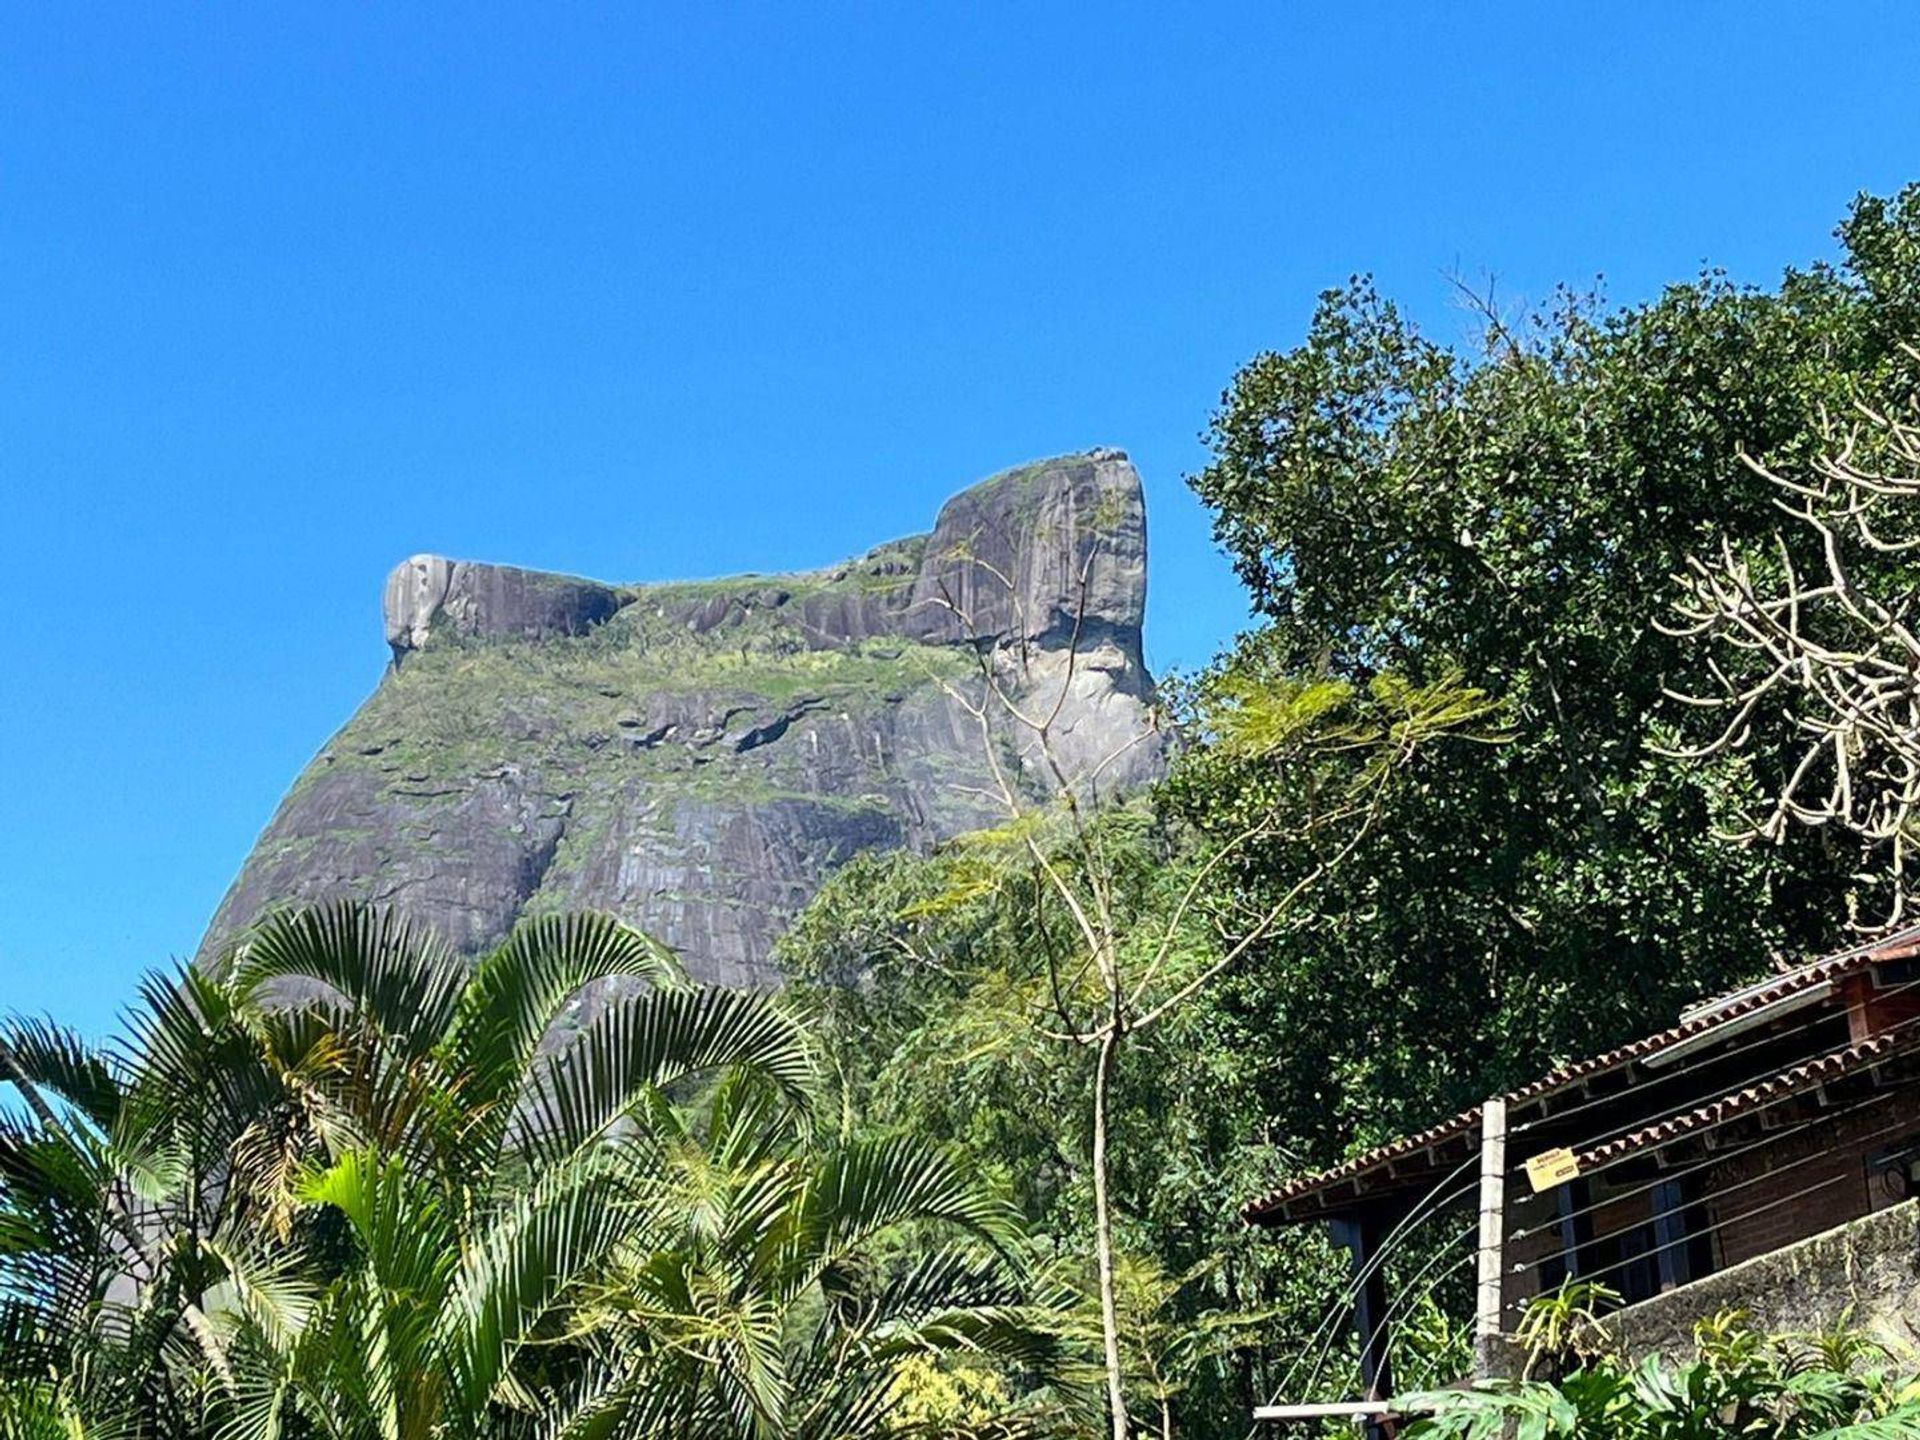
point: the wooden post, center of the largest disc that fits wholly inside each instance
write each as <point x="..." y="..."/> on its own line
<point x="1671" y="1246"/>
<point x="1361" y="1234"/>
<point x="1488" y="1332"/>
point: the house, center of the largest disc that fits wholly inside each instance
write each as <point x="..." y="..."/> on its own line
<point x="1759" y="1154"/>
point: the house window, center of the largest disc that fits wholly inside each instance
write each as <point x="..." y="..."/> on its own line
<point x="1669" y="1249"/>
<point x="1893" y="1174"/>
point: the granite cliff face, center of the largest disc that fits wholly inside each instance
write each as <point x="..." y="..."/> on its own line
<point x="697" y="757"/>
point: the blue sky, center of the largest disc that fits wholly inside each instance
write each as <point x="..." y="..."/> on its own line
<point x="644" y="291"/>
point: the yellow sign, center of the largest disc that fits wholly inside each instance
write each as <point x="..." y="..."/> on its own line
<point x="1550" y="1168"/>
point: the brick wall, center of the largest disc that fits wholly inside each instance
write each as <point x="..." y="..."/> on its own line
<point x="1776" y="1190"/>
<point x="1801" y="1184"/>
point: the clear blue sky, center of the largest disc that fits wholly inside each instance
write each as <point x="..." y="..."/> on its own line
<point x="646" y="291"/>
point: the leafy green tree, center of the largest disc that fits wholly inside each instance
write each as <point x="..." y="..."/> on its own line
<point x="931" y="977"/>
<point x="1834" y="1385"/>
<point x="1515" y="513"/>
<point x="1814" y="632"/>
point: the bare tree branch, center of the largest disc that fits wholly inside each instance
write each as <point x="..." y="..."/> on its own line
<point x="1831" y="657"/>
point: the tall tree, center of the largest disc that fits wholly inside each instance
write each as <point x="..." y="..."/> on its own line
<point x="1813" y="644"/>
<point x="1331" y="751"/>
<point x="1515" y="512"/>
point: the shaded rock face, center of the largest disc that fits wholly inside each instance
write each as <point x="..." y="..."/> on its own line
<point x="698" y="757"/>
<point x="500" y="601"/>
<point x="1038" y="553"/>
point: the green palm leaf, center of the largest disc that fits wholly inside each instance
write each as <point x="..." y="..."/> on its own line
<point x="575" y="1096"/>
<point x="519" y="1269"/>
<point x="871" y="1186"/>
<point x="400" y="981"/>
<point x="56" y="1061"/>
<point x="520" y="991"/>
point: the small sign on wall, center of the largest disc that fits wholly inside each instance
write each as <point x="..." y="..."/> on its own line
<point x="1550" y="1168"/>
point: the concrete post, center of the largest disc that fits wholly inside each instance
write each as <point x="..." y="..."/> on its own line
<point x="1489" y="1342"/>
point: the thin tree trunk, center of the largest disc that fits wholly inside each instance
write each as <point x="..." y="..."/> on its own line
<point x="1103" y="1233"/>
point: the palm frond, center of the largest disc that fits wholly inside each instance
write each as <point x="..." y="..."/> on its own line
<point x="269" y="1294"/>
<point x="574" y="1097"/>
<point x="529" y="1258"/>
<point x="58" y="1062"/>
<point x="870" y="1186"/>
<point x="520" y="991"/>
<point x="398" y="978"/>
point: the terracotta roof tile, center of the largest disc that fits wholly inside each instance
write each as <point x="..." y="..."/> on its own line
<point x="1805" y="1076"/>
<point x="1258" y="1210"/>
<point x="1697" y="1021"/>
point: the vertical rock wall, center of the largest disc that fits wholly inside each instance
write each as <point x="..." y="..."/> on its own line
<point x="698" y="757"/>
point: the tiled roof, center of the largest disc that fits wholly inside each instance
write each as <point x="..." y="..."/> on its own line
<point x="1804" y="1076"/>
<point x="1697" y="1021"/>
<point x="1898" y="946"/>
<point x="1260" y="1210"/>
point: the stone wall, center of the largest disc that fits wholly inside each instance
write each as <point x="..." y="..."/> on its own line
<point x="1870" y="1266"/>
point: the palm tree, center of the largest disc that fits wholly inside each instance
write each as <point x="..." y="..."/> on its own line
<point x="183" y="1212"/>
<point x="478" y="1077"/>
<point x="351" y="1186"/>
<point x="465" y="1157"/>
<point x="779" y="1290"/>
<point x="112" y="1210"/>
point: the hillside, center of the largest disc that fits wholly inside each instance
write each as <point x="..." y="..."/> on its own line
<point x="698" y="756"/>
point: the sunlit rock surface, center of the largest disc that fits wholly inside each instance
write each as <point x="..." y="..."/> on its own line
<point x="698" y="757"/>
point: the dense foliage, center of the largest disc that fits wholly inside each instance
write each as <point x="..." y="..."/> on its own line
<point x="1518" y="514"/>
<point x="1509" y="516"/>
<point x="1432" y="825"/>
<point x="1838" y="1384"/>
<point x="351" y="1189"/>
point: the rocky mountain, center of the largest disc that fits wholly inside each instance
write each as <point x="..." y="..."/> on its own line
<point x="697" y="757"/>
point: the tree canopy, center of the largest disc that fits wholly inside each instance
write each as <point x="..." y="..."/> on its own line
<point x="1512" y="766"/>
<point x="1509" y="515"/>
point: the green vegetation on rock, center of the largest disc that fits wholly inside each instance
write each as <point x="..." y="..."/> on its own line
<point x="696" y="755"/>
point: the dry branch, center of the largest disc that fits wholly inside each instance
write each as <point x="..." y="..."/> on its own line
<point x="1816" y="634"/>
